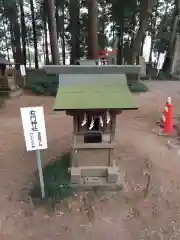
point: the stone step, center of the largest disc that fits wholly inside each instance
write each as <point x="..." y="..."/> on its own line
<point x="94" y="175"/>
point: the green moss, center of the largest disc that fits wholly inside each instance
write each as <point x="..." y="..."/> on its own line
<point x="56" y="180"/>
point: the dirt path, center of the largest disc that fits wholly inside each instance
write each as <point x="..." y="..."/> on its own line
<point x="116" y="216"/>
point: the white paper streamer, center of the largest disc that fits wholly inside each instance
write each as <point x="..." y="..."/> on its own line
<point x="108" y="117"/>
<point x="101" y="121"/>
<point x="84" y="121"/>
<point x="92" y="124"/>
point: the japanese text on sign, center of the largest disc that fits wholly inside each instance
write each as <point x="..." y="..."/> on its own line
<point x="34" y="128"/>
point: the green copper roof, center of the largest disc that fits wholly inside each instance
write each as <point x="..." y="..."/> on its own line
<point x="93" y="91"/>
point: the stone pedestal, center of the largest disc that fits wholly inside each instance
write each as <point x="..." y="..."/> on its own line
<point x="8" y="87"/>
<point x="4" y="86"/>
<point x="95" y="176"/>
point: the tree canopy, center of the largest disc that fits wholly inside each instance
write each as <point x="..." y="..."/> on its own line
<point x="32" y="30"/>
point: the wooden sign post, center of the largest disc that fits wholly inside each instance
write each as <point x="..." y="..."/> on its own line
<point x="35" y="136"/>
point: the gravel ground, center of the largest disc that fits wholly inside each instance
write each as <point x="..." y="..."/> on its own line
<point x="147" y="209"/>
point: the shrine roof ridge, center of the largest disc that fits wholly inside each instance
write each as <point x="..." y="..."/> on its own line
<point x="92" y="69"/>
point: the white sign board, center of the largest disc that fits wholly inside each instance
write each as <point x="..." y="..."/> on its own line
<point x="161" y="61"/>
<point x="23" y="70"/>
<point x="143" y="66"/>
<point x="34" y="128"/>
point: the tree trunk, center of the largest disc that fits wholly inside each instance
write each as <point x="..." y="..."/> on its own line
<point x="169" y="58"/>
<point x="74" y="30"/>
<point x="23" y="31"/>
<point x="142" y="45"/>
<point x="34" y="35"/>
<point x="18" y="43"/>
<point x="57" y="19"/>
<point x="29" y="56"/>
<point x="132" y="41"/>
<point x="101" y="30"/>
<point x="174" y="28"/>
<point x="113" y="32"/>
<point x="47" y="61"/>
<point x="153" y="29"/>
<point x="53" y="32"/>
<point x="7" y="45"/>
<point x="92" y="29"/>
<point x="44" y="50"/>
<point x="133" y="23"/>
<point x="119" y="53"/>
<point x="12" y="41"/>
<point x="165" y="18"/>
<point x="146" y="11"/>
<point x="63" y="37"/>
<point x="15" y="34"/>
<point x="153" y="25"/>
<point x="120" y="50"/>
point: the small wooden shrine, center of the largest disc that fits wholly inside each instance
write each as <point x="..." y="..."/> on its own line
<point x="108" y="57"/>
<point x="93" y="96"/>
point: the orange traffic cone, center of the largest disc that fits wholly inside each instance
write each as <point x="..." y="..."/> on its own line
<point x="162" y="120"/>
<point x="169" y="125"/>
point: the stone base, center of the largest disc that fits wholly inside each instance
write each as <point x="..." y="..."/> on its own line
<point x="101" y="183"/>
<point x="4" y="92"/>
<point x="16" y="93"/>
<point x="11" y="93"/>
<point x="95" y="176"/>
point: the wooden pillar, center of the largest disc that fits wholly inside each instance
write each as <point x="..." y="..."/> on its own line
<point x="112" y="139"/>
<point x="75" y="130"/>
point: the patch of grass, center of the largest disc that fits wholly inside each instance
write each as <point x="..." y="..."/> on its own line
<point x="56" y="180"/>
<point x="138" y="87"/>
